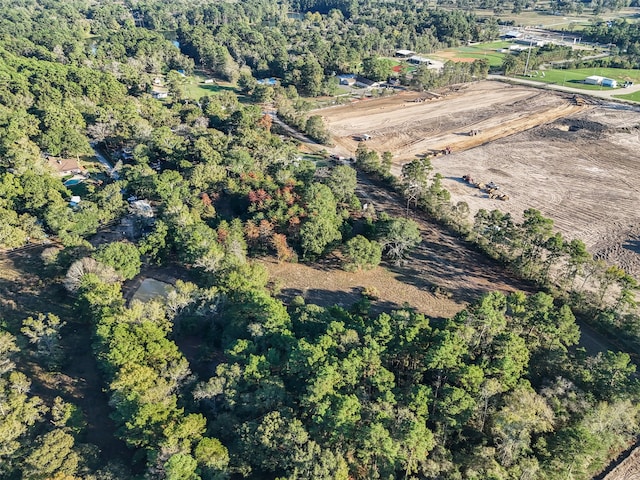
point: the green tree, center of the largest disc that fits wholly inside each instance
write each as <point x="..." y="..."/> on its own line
<point x="415" y="179"/>
<point x="211" y="454"/>
<point x="181" y="466"/>
<point x="343" y="182"/>
<point x="376" y="68"/>
<point x="311" y="76"/>
<point x="525" y="413"/>
<point x="316" y="129"/>
<point x="361" y="253"/>
<point x="20" y="411"/>
<point x="124" y="257"/>
<point x="63" y="128"/>
<point x="608" y="373"/>
<point x="53" y="454"/>
<point x="176" y="84"/>
<point x="368" y="160"/>
<point x="155" y="245"/>
<point x="322" y="224"/>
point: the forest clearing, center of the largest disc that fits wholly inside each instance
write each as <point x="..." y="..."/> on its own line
<point x="439" y="278"/>
<point x="574" y="163"/>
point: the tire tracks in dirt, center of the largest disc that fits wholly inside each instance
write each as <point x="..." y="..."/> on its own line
<point x="442" y="259"/>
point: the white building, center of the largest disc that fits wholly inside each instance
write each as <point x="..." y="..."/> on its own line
<point x="594" y="80"/>
<point x="418" y="60"/>
<point x="404" y="53"/>
<point x="512" y="34"/>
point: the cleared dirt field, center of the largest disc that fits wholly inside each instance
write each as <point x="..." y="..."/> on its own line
<point x="587" y="181"/>
<point x="408" y="128"/>
<point x="578" y="165"/>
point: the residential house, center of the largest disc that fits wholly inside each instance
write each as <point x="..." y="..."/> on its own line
<point x="65" y="166"/>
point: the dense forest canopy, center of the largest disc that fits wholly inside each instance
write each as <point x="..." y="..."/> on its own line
<point x="274" y="390"/>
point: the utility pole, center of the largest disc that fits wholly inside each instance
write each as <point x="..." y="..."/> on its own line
<point x="528" y="56"/>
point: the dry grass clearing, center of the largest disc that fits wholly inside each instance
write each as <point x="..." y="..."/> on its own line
<point x="439" y="278"/>
<point x="333" y="286"/>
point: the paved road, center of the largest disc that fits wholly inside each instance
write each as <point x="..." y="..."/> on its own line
<point x="608" y="93"/>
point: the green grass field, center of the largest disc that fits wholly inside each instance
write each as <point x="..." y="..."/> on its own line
<point x="575" y="77"/>
<point x="634" y="97"/>
<point x="195" y="87"/>
<point x="482" y="50"/>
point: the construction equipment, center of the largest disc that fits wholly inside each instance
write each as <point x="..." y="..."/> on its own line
<point x="444" y="151"/>
<point x="467" y="178"/>
<point x="498" y="196"/>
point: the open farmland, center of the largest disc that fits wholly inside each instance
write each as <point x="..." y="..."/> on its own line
<point x="577" y="164"/>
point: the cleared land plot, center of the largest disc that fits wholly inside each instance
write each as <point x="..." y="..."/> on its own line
<point x="439" y="278"/>
<point x="408" y="129"/>
<point x="195" y="88"/>
<point x="587" y="180"/>
<point x="548" y="20"/>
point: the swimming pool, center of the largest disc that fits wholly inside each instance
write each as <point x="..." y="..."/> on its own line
<point x="73" y="181"/>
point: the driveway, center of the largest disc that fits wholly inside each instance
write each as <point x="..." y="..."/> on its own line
<point x="608" y="93"/>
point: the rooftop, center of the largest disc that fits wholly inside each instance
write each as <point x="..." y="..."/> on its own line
<point x="64" y="166"/>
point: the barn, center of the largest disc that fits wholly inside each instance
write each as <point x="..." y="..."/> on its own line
<point x="594" y="80"/>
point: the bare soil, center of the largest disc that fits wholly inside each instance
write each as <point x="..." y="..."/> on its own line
<point x="407" y="128"/>
<point x="587" y="180"/>
<point x="150" y="289"/>
<point x="577" y="164"/>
